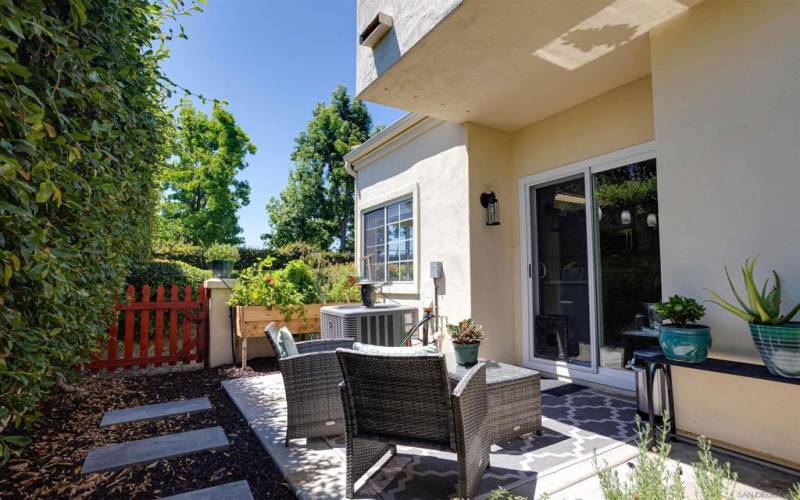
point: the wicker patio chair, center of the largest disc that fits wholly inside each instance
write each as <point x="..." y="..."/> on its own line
<point x="392" y="400"/>
<point x="311" y="380"/>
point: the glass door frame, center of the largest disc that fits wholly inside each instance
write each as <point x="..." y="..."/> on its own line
<point x="529" y="264"/>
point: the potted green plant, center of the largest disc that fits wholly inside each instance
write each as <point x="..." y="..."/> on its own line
<point x="681" y="338"/>
<point x="466" y="337"/>
<point x="776" y="336"/>
<point x="222" y="257"/>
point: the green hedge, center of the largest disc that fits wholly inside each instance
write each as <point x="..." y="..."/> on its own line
<point x="249" y="257"/>
<point x="164" y="272"/>
<point x="183" y="252"/>
<point x="84" y="130"/>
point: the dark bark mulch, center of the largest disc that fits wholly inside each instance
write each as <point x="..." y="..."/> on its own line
<point x="50" y="466"/>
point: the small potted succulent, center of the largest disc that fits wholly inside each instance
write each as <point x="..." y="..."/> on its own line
<point x="222" y="257"/>
<point x="680" y="337"/>
<point x="466" y="337"/>
<point x="776" y="336"/>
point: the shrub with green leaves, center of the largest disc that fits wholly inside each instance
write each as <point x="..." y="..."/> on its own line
<point x="179" y="251"/>
<point x="84" y="131"/>
<point x="337" y="284"/>
<point x="681" y="311"/>
<point x="655" y="476"/>
<point x="302" y="278"/>
<point x="222" y="251"/>
<point x="262" y="286"/>
<point x="164" y="272"/>
<point x="289" y="288"/>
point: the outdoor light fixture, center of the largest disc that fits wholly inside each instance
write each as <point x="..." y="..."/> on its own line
<point x="652" y="220"/>
<point x="625" y="217"/>
<point x="489" y="202"/>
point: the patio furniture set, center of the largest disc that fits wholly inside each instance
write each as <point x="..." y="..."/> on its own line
<point x="381" y="397"/>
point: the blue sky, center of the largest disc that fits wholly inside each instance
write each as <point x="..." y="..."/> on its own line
<point x="272" y="60"/>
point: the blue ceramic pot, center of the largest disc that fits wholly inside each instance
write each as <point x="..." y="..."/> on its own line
<point x="689" y="344"/>
<point x="779" y="347"/>
<point x="466" y="354"/>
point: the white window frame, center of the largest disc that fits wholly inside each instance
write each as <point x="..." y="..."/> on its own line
<point x="382" y="200"/>
<point x="595" y="373"/>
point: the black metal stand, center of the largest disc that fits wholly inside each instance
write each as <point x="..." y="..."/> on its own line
<point x="651" y="369"/>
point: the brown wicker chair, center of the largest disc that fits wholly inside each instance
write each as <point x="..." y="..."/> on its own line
<point x="311" y="381"/>
<point x="394" y="400"/>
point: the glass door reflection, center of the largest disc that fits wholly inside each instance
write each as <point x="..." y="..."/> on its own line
<point x="628" y="259"/>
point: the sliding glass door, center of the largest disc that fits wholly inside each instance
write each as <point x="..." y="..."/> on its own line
<point x="562" y="321"/>
<point x="593" y="265"/>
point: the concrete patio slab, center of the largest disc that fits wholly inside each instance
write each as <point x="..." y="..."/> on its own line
<point x="580" y="424"/>
<point x="155" y="412"/>
<point x="755" y="480"/>
<point x="143" y="451"/>
<point x="238" y="490"/>
<point x="313" y="469"/>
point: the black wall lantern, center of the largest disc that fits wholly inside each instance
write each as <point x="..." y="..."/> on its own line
<point x="489" y="202"/>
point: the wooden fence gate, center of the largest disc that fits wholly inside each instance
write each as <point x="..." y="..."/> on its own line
<point x="143" y="320"/>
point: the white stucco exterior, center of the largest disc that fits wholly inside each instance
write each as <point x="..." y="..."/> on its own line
<point x="428" y="162"/>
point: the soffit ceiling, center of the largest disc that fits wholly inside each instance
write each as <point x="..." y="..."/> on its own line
<point x="508" y="64"/>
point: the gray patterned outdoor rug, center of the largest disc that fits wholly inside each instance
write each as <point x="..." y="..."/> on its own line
<point x="575" y="425"/>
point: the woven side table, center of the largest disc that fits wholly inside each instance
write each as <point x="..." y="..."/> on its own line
<point x="514" y="397"/>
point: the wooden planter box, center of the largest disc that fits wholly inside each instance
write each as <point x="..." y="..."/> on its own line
<point x="251" y="321"/>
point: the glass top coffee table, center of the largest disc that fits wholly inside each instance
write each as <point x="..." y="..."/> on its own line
<point x="514" y="397"/>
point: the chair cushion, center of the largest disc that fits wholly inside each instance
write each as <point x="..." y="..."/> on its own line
<point x="395" y="351"/>
<point x="286" y="343"/>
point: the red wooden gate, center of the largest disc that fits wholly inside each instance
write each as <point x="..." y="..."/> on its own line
<point x="184" y="345"/>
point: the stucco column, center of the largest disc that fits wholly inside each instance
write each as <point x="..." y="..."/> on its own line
<point x="220" y="350"/>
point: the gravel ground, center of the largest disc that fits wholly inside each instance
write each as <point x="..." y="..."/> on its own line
<point x="50" y="467"/>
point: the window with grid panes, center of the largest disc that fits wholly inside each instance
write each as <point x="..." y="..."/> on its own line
<point x="389" y="242"/>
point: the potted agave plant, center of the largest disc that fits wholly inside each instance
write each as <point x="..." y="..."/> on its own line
<point x="466" y="337"/>
<point x="222" y="258"/>
<point x="776" y="337"/>
<point x="680" y="337"/>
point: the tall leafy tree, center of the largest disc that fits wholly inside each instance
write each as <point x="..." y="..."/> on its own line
<point x="316" y="206"/>
<point x="201" y="193"/>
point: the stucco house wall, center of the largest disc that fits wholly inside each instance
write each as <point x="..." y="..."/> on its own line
<point x="434" y="166"/>
<point x="491" y="264"/>
<point x="726" y="79"/>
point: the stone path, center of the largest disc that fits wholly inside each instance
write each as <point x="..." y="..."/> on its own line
<point x="155" y="412"/>
<point x="238" y="490"/>
<point x="142" y="451"/>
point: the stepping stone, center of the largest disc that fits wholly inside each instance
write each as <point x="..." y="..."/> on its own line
<point x="145" y="451"/>
<point x="156" y="411"/>
<point x="239" y="490"/>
